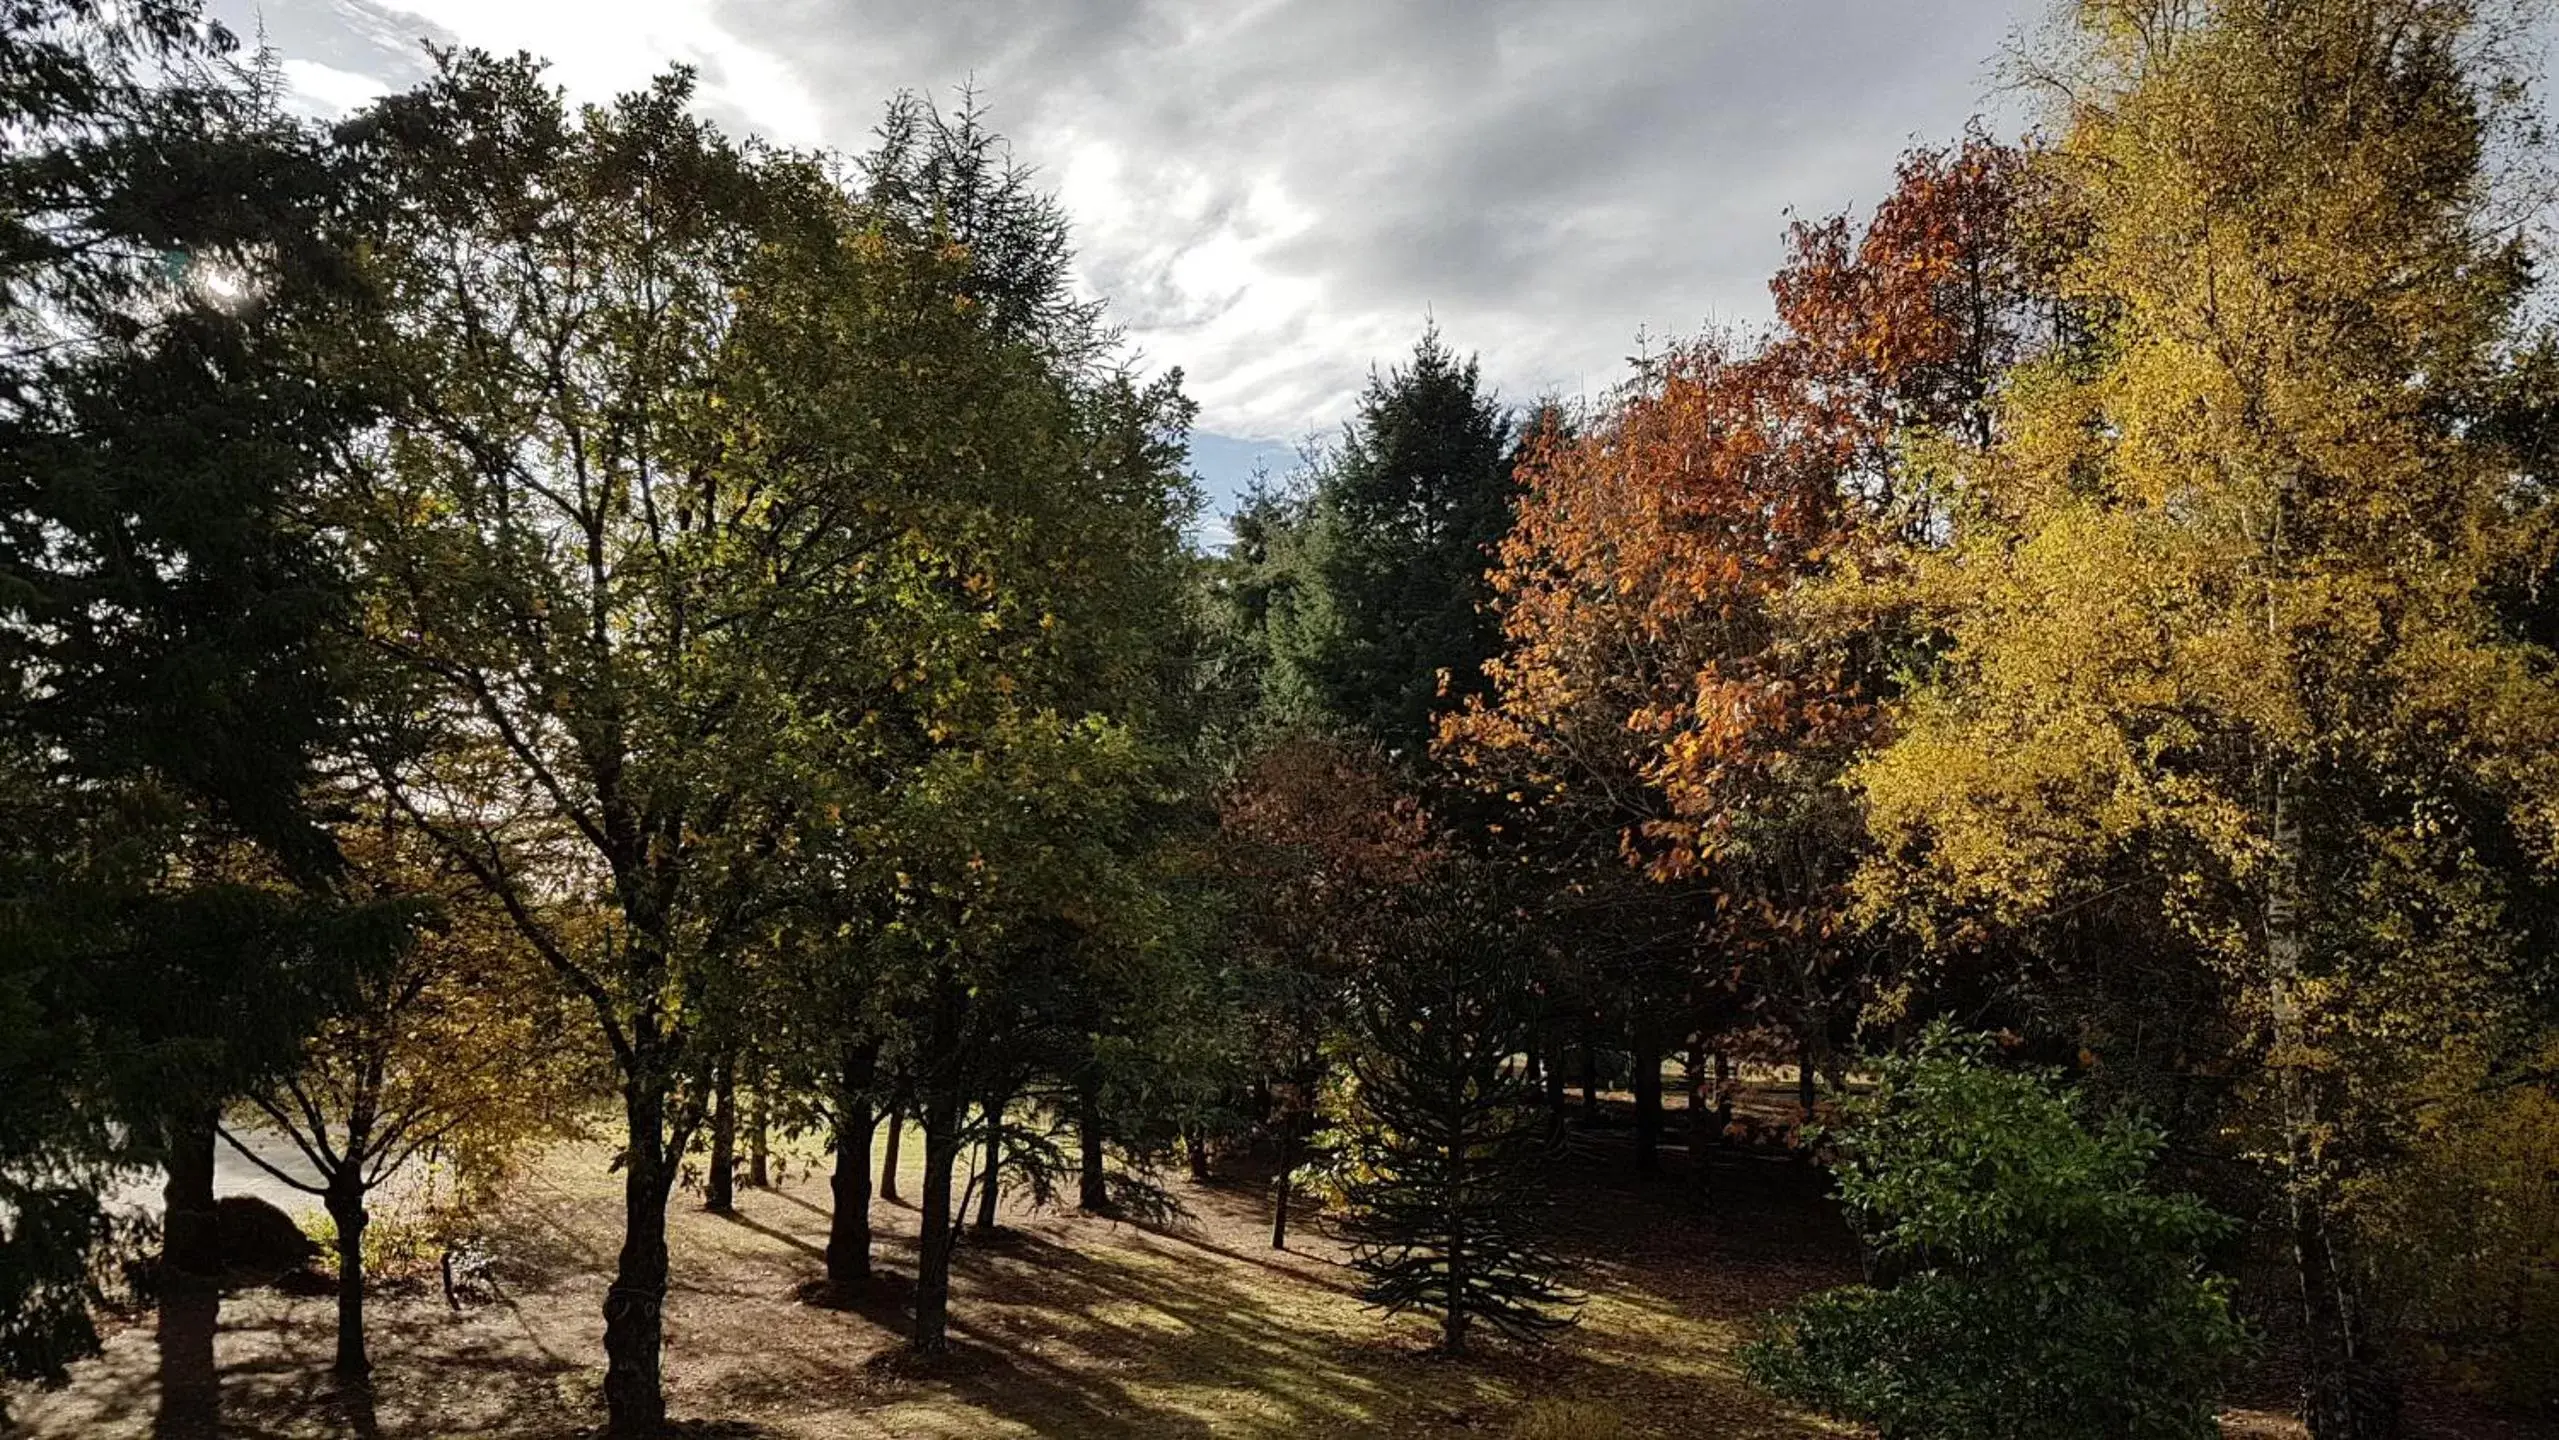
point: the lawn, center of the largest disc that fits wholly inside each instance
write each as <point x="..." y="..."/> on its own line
<point x="1067" y="1325"/>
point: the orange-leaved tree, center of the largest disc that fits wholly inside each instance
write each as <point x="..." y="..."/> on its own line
<point x="1666" y="694"/>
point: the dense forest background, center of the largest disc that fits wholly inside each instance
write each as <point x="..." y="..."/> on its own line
<point x="527" y="623"/>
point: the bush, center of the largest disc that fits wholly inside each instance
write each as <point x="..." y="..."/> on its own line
<point x="2030" y="1283"/>
<point x="402" y="1244"/>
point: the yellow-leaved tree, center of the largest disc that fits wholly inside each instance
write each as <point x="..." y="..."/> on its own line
<point x="2222" y="649"/>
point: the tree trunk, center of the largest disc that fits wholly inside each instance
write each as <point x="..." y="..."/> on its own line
<point x="345" y="1203"/>
<point x="1460" y="1255"/>
<point x="2348" y="1391"/>
<point x="635" y="1303"/>
<point x="1648" y="1097"/>
<point x="848" y="1230"/>
<point x="1701" y="1120"/>
<point x="1280" y="1183"/>
<point x="1093" y="1191"/>
<point x="190" y="1285"/>
<point x="191" y="1235"/>
<point x="1590" y="1072"/>
<point x="1723" y="1092"/>
<point x="190" y="1385"/>
<point x="888" y="1155"/>
<point x="759" y="1133"/>
<point x="1806" y="1096"/>
<point x="994" y="1153"/>
<point x="935" y="1234"/>
<point x="719" y="1187"/>
<point x="1195" y="1148"/>
<point x="1554" y="1042"/>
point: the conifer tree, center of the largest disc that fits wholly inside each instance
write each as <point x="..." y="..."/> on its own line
<point x="1356" y="594"/>
<point x="175" y="277"/>
<point x="1446" y="1146"/>
<point x="1416" y="497"/>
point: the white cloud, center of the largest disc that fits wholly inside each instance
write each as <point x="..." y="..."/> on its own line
<point x="327" y="91"/>
<point x="604" y="47"/>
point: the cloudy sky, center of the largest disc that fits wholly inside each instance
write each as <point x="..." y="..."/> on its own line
<point x="1275" y="194"/>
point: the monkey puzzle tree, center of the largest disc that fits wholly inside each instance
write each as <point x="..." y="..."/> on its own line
<point x="1447" y="1136"/>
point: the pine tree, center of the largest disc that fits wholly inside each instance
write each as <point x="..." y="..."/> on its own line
<point x="1449" y="1133"/>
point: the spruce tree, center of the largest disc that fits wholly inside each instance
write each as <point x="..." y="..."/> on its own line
<point x="1401" y="524"/>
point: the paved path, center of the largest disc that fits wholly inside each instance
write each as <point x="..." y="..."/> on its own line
<point x="233" y="1174"/>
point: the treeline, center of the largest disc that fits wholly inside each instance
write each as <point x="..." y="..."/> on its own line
<point x="526" y="621"/>
<point x="513" y="609"/>
<point x="2108" y="608"/>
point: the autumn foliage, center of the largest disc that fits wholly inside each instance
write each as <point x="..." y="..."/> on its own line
<point x="1665" y="677"/>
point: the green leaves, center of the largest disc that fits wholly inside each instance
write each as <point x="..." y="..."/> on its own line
<point x="2031" y="1281"/>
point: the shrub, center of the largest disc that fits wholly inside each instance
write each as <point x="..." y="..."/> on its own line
<point x="2029" y="1281"/>
<point x="402" y="1244"/>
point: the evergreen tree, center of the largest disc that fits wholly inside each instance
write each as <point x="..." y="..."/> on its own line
<point x="1356" y="596"/>
<point x="176" y="276"/>
<point x="1447" y="1142"/>
<point x="1417" y="496"/>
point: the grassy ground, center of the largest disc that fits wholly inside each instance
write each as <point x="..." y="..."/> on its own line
<point x="1067" y="1326"/>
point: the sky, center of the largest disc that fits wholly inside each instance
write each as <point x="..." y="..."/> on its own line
<point x="1277" y="195"/>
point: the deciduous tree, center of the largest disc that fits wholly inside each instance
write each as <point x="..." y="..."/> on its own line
<point x="2220" y="607"/>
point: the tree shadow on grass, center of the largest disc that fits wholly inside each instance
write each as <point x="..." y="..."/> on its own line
<point x="779" y="1237"/>
<point x="1069" y="1327"/>
<point x="1330" y="1275"/>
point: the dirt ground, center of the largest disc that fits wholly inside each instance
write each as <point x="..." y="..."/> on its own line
<point x="1067" y="1325"/>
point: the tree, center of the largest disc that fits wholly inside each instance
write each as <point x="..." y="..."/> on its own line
<point x="175" y="262"/>
<point x="2032" y="1281"/>
<point x="2222" y="637"/>
<point x="453" y="1050"/>
<point x="1267" y="614"/>
<point x="1010" y="855"/>
<point x="1353" y="595"/>
<point x="1414" y="499"/>
<point x="609" y="557"/>
<point x="1313" y="833"/>
<point x="1447" y="1136"/>
<point x="1676" y="691"/>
